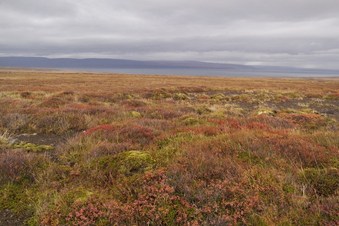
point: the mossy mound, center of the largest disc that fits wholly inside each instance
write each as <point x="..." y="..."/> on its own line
<point x="126" y="163"/>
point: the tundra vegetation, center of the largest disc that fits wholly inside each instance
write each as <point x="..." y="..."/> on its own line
<point x="99" y="149"/>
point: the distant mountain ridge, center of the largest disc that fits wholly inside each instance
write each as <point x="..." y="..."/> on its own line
<point x="101" y="63"/>
<point x="107" y="63"/>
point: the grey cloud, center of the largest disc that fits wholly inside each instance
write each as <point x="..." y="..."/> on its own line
<point x="281" y="32"/>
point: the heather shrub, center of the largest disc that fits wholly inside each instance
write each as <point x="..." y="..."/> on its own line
<point x="58" y="206"/>
<point x="156" y="202"/>
<point x="134" y="103"/>
<point x="204" y="130"/>
<point x="98" y="212"/>
<point x="328" y="210"/>
<point x="157" y="94"/>
<point x="107" y="148"/>
<point x="26" y="94"/>
<point x="163" y="113"/>
<point x="130" y="133"/>
<point x="325" y="182"/>
<point x="140" y="135"/>
<point x="274" y="122"/>
<point x="308" y="121"/>
<point x="59" y="123"/>
<point x="16" y="122"/>
<point x="298" y="150"/>
<point x="292" y="148"/>
<point x="19" y="166"/>
<point x="53" y="102"/>
<point x="159" y="125"/>
<point x="105" y="128"/>
<point x="206" y="176"/>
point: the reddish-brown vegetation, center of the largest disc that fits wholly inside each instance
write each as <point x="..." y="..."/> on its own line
<point x="95" y="149"/>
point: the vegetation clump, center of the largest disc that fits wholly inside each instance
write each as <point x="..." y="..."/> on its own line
<point x="135" y="114"/>
<point x="126" y="163"/>
<point x="325" y="182"/>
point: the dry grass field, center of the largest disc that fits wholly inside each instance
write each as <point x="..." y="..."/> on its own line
<point x="109" y="149"/>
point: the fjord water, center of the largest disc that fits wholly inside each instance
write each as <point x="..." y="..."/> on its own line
<point x="206" y="72"/>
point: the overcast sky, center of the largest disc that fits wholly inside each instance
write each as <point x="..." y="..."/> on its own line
<point x="303" y="33"/>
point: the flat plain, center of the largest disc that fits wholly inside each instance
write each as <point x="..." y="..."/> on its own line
<point x="114" y="149"/>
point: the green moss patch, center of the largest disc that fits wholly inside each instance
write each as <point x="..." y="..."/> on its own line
<point x="33" y="147"/>
<point x="135" y="114"/>
<point x="16" y="198"/>
<point x="126" y="163"/>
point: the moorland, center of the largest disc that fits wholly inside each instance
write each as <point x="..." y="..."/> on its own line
<point x="112" y="149"/>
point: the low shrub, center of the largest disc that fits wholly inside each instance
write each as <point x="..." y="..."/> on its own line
<point x="325" y="182"/>
<point x="53" y="102"/>
<point x="19" y="166"/>
<point x="59" y="122"/>
<point x="107" y="148"/>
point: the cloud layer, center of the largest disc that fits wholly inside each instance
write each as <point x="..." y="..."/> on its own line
<point x="303" y="33"/>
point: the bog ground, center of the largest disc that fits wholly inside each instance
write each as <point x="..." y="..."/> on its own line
<point x="103" y="149"/>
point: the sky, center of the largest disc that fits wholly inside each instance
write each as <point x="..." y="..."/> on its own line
<point x="298" y="33"/>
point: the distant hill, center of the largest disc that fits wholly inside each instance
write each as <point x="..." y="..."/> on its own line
<point x="101" y="64"/>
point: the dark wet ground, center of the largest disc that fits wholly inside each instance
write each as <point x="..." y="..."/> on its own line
<point x="43" y="139"/>
<point x="8" y="218"/>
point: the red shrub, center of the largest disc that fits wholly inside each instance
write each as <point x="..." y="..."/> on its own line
<point x="105" y="127"/>
<point x="257" y="125"/>
<point x="233" y="123"/>
<point x="299" y="150"/>
<point x="153" y="203"/>
<point x="95" y="211"/>
<point x="205" y="130"/>
<point x="130" y="133"/>
<point x="274" y="122"/>
<point x="164" y="114"/>
<point x="137" y="134"/>
<point x="108" y="148"/>
<point x="307" y="121"/>
<point x="208" y="178"/>
<point x="157" y="204"/>
<point x="156" y="124"/>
